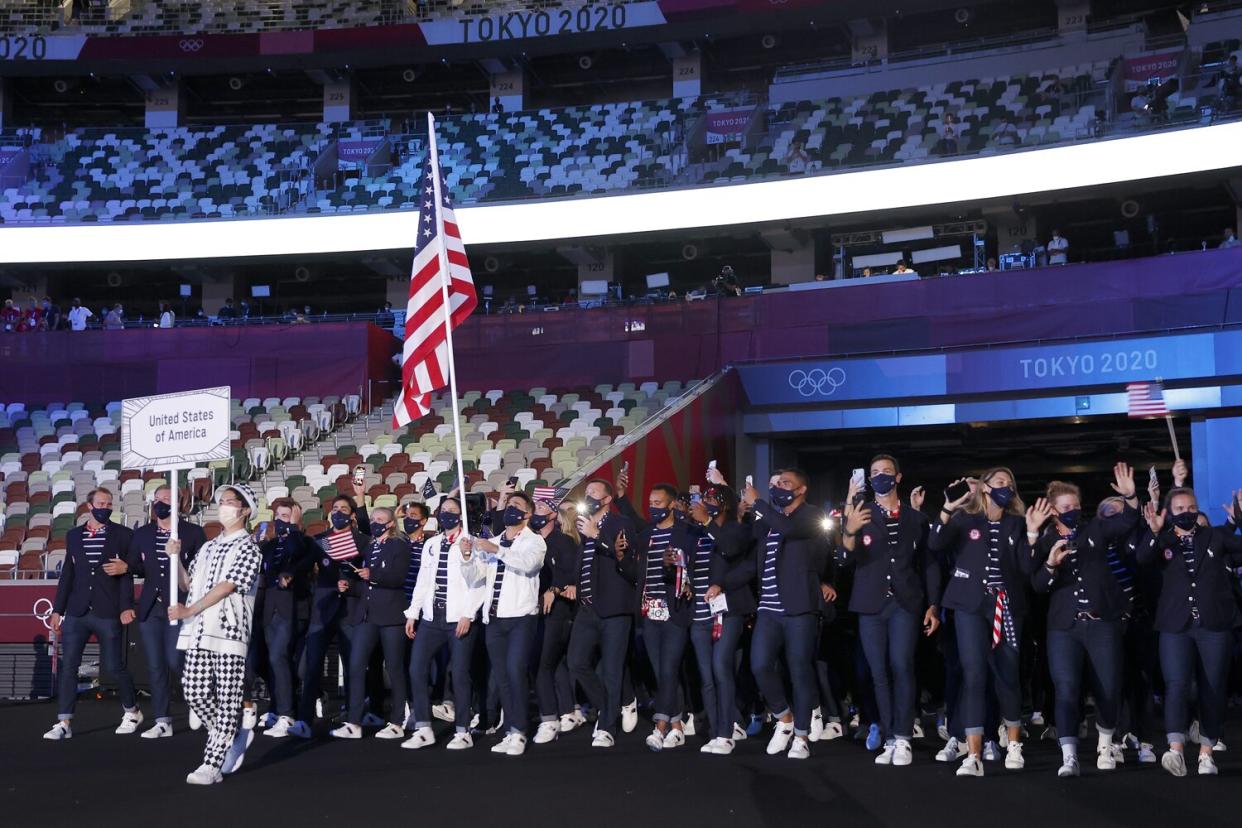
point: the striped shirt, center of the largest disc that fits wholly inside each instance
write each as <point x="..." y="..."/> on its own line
<point x="411" y="574"/>
<point x="586" y="570"/>
<point x="1187" y="544"/>
<point x="657" y="544"/>
<point x="158" y="580"/>
<point x="93" y="545"/>
<point x="441" y="594"/>
<point x="505" y="543"/>
<point x="1074" y="562"/>
<point x="769" y="591"/>
<point x="1125" y="577"/>
<point x="892" y="526"/>
<point x="702" y="576"/>
<point x="992" y="575"/>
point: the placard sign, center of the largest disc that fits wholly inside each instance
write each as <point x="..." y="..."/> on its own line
<point x="175" y="430"/>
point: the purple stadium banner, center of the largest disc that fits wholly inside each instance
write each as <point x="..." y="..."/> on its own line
<point x="356" y="152"/>
<point x="1138" y="70"/>
<point x="724" y="125"/>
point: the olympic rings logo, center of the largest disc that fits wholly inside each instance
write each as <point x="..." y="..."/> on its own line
<point x="816" y="381"/>
<point x="42" y="611"/>
<point x="191" y="45"/>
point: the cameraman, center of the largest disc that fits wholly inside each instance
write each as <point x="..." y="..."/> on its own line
<point x="726" y="283"/>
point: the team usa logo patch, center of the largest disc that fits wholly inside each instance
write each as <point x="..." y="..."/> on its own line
<point x="975" y="534"/>
<point x="1168" y="554"/>
<point x="866" y="540"/>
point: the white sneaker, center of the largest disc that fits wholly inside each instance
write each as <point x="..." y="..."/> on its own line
<point x="61" y="730"/>
<point x="461" y="741"/>
<point x="723" y="747"/>
<point x="269" y="718"/>
<point x="250" y="717"/>
<point x="1068" y="768"/>
<point x="503" y="745"/>
<point x="1219" y="747"/>
<point x="817" y="725"/>
<point x="1105" y="758"/>
<point x="129" y="722"/>
<point x="495" y="728"/>
<point x="603" y="739"/>
<point x="781" y="735"/>
<point x="547" y="732"/>
<point x="392" y="730"/>
<point x="237" y="751"/>
<point x="800" y="749"/>
<point x="629" y="716"/>
<point x="1037" y="718"/>
<point x="991" y="752"/>
<point x="687" y="726"/>
<point x="918" y="730"/>
<point x="371" y="720"/>
<point x="444" y="711"/>
<point x="952" y="751"/>
<point x="1002" y="736"/>
<point x="204" y="775"/>
<point x="1193" y="732"/>
<point x="674" y="738"/>
<point x="347" y="731"/>
<point x="420" y="738"/>
<point x="572" y="721"/>
<point x="1174" y="762"/>
<point x="319" y="708"/>
<point x="710" y="746"/>
<point x="739" y="733"/>
<point x="517" y="745"/>
<point x="300" y="729"/>
<point x="832" y="730"/>
<point x="1146" y="754"/>
<point x="885" y="756"/>
<point x="279" y="729"/>
<point x="159" y="730"/>
<point x="195" y="721"/>
<point x="902" y="754"/>
<point x="1014" y="760"/>
<point x="1207" y="764"/>
<point x="655" y="741"/>
<point x="971" y="766"/>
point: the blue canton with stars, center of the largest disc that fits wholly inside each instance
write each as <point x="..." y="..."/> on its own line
<point x="427" y="210"/>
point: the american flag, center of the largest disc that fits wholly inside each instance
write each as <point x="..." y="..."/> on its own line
<point x="426" y="358"/>
<point x="340" y="546"/>
<point x="1146" y="399"/>
<point x="549" y="493"/>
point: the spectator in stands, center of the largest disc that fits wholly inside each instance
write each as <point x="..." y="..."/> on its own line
<point x="10" y="316"/>
<point x="32" y="317"/>
<point x="51" y="315"/>
<point x="228" y="312"/>
<point x="902" y="270"/>
<point x="1228" y="83"/>
<point x="167" y="317"/>
<point x="299" y="318"/>
<point x="497" y="107"/>
<point x="243" y="310"/>
<point x="385" y="317"/>
<point x="796" y="159"/>
<point x="948" y="134"/>
<point x="78" y="314"/>
<point x="1058" y="248"/>
<point x="1231" y="240"/>
<point x="867" y="272"/>
<point x="991" y="266"/>
<point x="1006" y="135"/>
<point x="94" y="596"/>
<point x="115" y="320"/>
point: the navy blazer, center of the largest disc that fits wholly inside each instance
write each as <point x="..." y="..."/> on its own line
<point x="683" y="537"/>
<point x="733" y="565"/>
<point x="909" y="570"/>
<point x="300" y="555"/>
<point x="801" y="558"/>
<point x="1217" y="551"/>
<point x="381" y="598"/>
<point x="1104" y="592"/>
<point x="153" y="569"/>
<point x="83" y="588"/>
<point x="616" y="586"/>
<point x="560" y="563"/>
<point x="963" y="542"/>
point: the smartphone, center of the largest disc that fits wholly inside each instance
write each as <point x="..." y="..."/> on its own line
<point x="857" y="478"/>
<point x="711" y="467"/>
<point x="360" y="475"/>
<point x="750" y="480"/>
<point x="513" y="481"/>
<point x="625" y="467"/>
<point x="955" y="491"/>
<point x="261" y="532"/>
<point x="1152" y="479"/>
<point x="582" y="509"/>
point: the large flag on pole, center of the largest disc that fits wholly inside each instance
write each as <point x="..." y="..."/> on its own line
<point x="426" y="357"/>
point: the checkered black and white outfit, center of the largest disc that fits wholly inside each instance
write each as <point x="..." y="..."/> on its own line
<point x="215" y="640"/>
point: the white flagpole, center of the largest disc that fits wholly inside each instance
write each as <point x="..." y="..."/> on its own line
<point x="174" y="564"/>
<point x="448" y="316"/>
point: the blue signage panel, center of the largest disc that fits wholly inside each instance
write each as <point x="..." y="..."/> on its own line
<point x="817" y="382"/>
<point x="1031" y="368"/>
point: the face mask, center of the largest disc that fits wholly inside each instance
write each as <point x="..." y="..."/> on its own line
<point x="713" y="509"/>
<point x="163" y="510"/>
<point x="283" y="527"/>
<point x="1002" y="496"/>
<point x="411" y="525"/>
<point x="230" y="514"/>
<point x="339" y="520"/>
<point x="657" y="515"/>
<point x="593" y="505"/>
<point x="780" y="497"/>
<point x="448" y="521"/>
<point x="537" y="522"/>
<point x="1186" y="521"/>
<point x="378" y="529"/>
<point x="1070" y="518"/>
<point x="101" y="515"/>
<point x="882" y="484"/>
<point x="514" y="516"/>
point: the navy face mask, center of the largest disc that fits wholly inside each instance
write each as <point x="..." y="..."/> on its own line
<point x="411" y="525"/>
<point x="163" y="510"/>
<point x="448" y="521"/>
<point x="1186" y="521"/>
<point x="514" y="516"/>
<point x="378" y="529"/>
<point x="780" y="497"/>
<point x="1002" y="496"/>
<point x="657" y="515"/>
<point x="283" y="527"/>
<point x="882" y="483"/>
<point x="101" y="515"/>
<point x="593" y="505"/>
<point x="339" y="520"/>
<point x="537" y="522"/>
<point x="1070" y="518"/>
<point x="713" y="509"/>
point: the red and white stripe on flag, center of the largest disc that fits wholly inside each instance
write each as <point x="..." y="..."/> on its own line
<point x="1146" y="399"/>
<point x="341" y="546"/>
<point x="425" y="358"/>
<point x="547" y="493"/>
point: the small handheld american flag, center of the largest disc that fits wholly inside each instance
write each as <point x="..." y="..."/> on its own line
<point x="340" y="546"/>
<point x="1146" y="399"/>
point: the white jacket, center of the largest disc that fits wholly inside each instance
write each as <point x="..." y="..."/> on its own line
<point x="519" y="591"/>
<point x="224" y="627"/>
<point x="465" y="597"/>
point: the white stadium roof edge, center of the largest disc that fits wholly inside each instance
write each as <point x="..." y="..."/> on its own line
<point x="1093" y="163"/>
